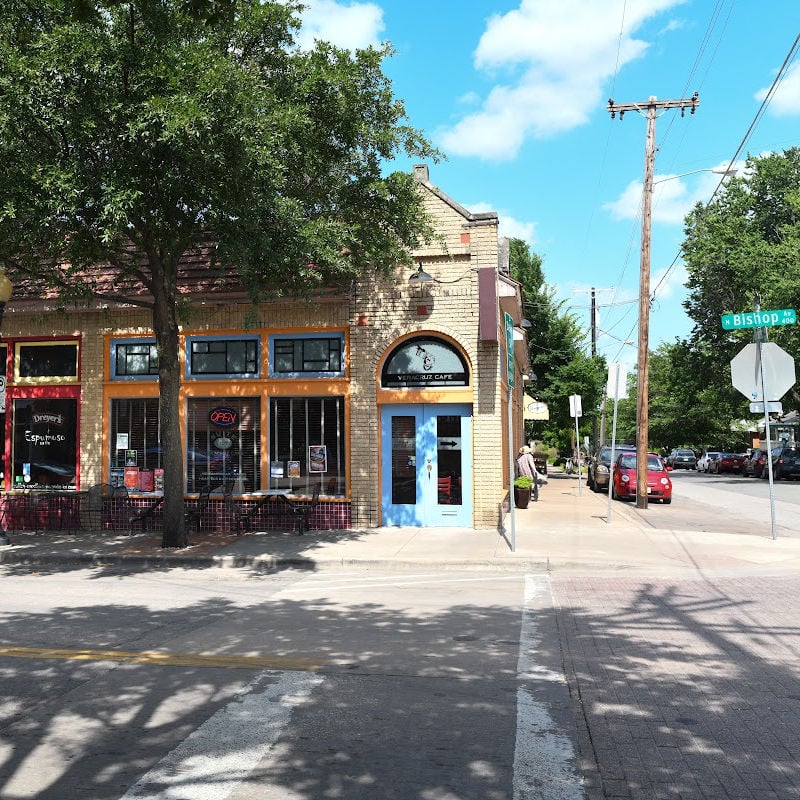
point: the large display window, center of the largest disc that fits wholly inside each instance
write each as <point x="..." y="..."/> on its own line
<point x="224" y="443"/>
<point x="44" y="446"/>
<point x="307" y="444"/>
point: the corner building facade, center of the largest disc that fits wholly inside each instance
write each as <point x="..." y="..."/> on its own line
<point x="392" y="399"/>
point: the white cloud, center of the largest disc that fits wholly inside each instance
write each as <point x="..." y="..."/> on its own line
<point x="786" y="100"/>
<point x="674" y="196"/>
<point x="347" y="25"/>
<point x="558" y="70"/>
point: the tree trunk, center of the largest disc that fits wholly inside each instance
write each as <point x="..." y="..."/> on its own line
<point x="165" y="327"/>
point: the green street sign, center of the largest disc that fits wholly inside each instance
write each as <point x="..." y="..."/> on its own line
<point x="759" y="319"/>
<point x="510" y="350"/>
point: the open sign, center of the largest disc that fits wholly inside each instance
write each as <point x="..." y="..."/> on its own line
<point x="223" y="417"/>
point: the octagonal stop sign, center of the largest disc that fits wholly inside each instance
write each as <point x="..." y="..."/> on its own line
<point x="779" y="374"/>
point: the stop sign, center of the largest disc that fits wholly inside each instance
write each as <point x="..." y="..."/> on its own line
<point x="779" y="374"/>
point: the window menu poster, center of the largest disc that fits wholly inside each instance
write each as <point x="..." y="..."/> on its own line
<point x="293" y="468"/>
<point x="132" y="478"/>
<point x="317" y="458"/>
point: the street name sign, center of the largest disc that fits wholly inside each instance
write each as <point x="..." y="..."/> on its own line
<point x="759" y="319"/>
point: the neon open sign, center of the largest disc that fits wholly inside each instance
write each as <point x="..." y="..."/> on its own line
<point x="223" y="417"/>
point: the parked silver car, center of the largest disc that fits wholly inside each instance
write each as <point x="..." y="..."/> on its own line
<point x="706" y="457"/>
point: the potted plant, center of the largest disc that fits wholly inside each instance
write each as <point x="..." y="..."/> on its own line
<point x="522" y="491"/>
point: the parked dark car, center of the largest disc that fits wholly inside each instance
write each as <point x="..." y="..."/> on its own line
<point x="756" y="464"/>
<point x="787" y="463"/>
<point x="681" y="458"/>
<point x="600" y="466"/>
<point x="725" y="462"/>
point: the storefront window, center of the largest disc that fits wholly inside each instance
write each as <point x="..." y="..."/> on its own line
<point x="422" y="362"/>
<point x="134" y="359"/>
<point x="308" y="355"/>
<point x="135" y="441"/>
<point x="307" y="444"/>
<point x="44" y="443"/>
<point x="46" y="362"/>
<point x="211" y="357"/>
<point x="224" y="443"/>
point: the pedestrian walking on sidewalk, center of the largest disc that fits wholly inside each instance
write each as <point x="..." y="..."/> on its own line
<point x="527" y="466"/>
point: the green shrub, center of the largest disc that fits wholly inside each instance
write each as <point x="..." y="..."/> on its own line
<point x="523" y="482"/>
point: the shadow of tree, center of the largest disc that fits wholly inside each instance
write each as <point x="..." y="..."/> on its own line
<point x="684" y="690"/>
<point x="410" y="703"/>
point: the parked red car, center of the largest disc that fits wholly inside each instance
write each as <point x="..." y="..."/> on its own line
<point x="659" y="485"/>
<point x="726" y="462"/>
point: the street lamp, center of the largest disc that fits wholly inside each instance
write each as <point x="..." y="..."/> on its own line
<point x="6" y="290"/>
<point x="726" y="172"/>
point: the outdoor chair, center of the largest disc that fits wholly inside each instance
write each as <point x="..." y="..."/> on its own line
<point x="194" y="516"/>
<point x="120" y="507"/>
<point x="302" y="510"/>
<point x="93" y="507"/>
<point x="144" y="514"/>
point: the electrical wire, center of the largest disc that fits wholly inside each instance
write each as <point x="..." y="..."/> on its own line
<point x="756" y="119"/>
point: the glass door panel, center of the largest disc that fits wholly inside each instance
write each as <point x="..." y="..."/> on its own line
<point x="426" y="471"/>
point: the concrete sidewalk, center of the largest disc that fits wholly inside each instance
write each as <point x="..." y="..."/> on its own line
<point x="565" y="531"/>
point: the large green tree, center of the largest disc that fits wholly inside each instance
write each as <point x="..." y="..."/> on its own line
<point x="133" y="132"/>
<point x="746" y="242"/>
<point x="556" y="349"/>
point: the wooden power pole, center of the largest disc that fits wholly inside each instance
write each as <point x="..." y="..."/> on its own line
<point x="651" y="109"/>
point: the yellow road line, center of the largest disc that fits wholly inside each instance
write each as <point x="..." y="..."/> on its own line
<point x="165" y="659"/>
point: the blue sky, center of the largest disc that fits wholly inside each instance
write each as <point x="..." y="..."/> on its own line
<point x="515" y="93"/>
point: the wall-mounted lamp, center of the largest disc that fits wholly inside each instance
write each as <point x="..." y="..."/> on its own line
<point x="419" y="277"/>
<point x="526" y="323"/>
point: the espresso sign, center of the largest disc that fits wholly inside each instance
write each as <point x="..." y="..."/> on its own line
<point x="223" y="417"/>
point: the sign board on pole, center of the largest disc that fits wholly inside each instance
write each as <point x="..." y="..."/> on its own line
<point x="617" y="386"/>
<point x="778" y="366"/>
<point x="772" y="408"/>
<point x="759" y="319"/>
<point x="510" y="350"/>
<point x="575" y="406"/>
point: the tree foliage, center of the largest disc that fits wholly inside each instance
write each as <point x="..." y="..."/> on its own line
<point x="745" y="243"/>
<point x="134" y="131"/>
<point x="557" y="358"/>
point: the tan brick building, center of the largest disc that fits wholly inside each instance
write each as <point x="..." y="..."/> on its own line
<point x="392" y="398"/>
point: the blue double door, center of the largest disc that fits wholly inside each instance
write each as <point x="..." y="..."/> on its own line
<point x="427" y="465"/>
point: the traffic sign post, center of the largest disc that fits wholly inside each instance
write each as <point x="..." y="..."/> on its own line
<point x="756" y="363"/>
<point x="756" y="358"/>
<point x="759" y="319"/>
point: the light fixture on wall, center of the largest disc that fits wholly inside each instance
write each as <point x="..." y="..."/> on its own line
<point x="419" y="277"/>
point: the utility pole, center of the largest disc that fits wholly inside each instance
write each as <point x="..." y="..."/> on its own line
<point x="651" y="108"/>
<point x="593" y="329"/>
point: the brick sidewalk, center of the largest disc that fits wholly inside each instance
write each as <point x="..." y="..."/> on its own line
<point x="684" y="689"/>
